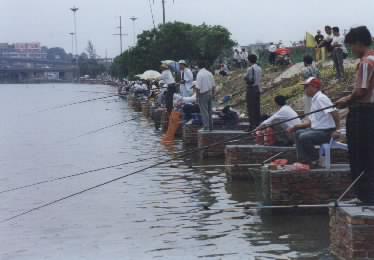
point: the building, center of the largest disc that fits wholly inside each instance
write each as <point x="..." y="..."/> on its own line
<point x="32" y="50"/>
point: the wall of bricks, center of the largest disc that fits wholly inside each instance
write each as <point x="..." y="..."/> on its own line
<point x="319" y="186"/>
<point x="352" y="233"/>
<point x="252" y="154"/>
<point x="206" y="138"/>
<point x="146" y="109"/>
<point x="190" y="135"/>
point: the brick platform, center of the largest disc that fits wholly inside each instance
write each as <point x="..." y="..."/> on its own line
<point x="146" y="109"/>
<point x="164" y="120"/>
<point x="319" y="186"/>
<point x="206" y="138"/>
<point x="252" y="154"/>
<point x="352" y="233"/>
<point x="137" y="105"/>
<point x="190" y="134"/>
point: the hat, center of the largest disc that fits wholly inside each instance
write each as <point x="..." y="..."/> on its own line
<point x="164" y="66"/>
<point x="314" y="82"/>
<point x="182" y="62"/>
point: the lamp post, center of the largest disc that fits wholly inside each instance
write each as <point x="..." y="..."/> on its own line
<point x="74" y="10"/>
<point x="133" y="19"/>
<point x="72" y="43"/>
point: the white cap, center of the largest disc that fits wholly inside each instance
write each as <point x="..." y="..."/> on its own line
<point x="182" y="62"/>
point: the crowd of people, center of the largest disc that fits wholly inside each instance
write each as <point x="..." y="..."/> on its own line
<point x="321" y="122"/>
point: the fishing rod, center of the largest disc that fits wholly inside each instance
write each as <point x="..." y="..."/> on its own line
<point x="76" y="103"/>
<point x="100" y="129"/>
<point x="96" y="170"/>
<point x="184" y="154"/>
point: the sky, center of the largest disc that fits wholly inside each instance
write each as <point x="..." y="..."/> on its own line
<point x="249" y="21"/>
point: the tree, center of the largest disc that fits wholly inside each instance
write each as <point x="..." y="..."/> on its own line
<point x="173" y="41"/>
<point x="57" y="54"/>
<point x="91" y="50"/>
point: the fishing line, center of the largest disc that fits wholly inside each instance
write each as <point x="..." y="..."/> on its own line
<point x="75" y="103"/>
<point x="151" y="166"/>
<point x="99" y="130"/>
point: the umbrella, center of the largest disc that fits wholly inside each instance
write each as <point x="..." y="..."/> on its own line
<point x="140" y="76"/>
<point x="150" y="75"/>
<point x="168" y="62"/>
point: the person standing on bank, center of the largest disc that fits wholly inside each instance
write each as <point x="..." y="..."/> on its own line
<point x="319" y="128"/>
<point x="205" y="85"/>
<point x="186" y="77"/>
<point x="168" y="79"/>
<point x="253" y="79"/>
<point x="360" y="121"/>
<point x="339" y="53"/>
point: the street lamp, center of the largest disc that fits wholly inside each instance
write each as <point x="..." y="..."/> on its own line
<point x="74" y="10"/>
<point x="133" y="19"/>
<point x="72" y="43"/>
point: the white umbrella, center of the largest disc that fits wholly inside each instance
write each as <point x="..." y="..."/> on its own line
<point x="168" y="62"/>
<point x="140" y="76"/>
<point x="151" y="75"/>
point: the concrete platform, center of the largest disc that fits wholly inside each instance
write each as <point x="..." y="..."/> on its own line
<point x="206" y="138"/>
<point x="352" y="232"/>
<point x="252" y="154"/>
<point x="319" y="186"/>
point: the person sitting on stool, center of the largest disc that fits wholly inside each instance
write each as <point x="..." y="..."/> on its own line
<point x="319" y="128"/>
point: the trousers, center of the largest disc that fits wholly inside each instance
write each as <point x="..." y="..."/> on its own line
<point x="169" y="95"/>
<point x="205" y="103"/>
<point x="360" y="135"/>
<point x="253" y="106"/>
<point x="306" y="139"/>
<point x="338" y="58"/>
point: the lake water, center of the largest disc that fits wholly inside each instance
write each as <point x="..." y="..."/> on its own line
<point x="161" y="213"/>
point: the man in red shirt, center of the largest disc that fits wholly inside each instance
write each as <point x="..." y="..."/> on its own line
<point x="360" y="121"/>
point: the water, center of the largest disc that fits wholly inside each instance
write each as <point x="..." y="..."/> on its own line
<point x="161" y="213"/>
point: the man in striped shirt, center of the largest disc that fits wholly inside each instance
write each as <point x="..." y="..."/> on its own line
<point x="360" y="121"/>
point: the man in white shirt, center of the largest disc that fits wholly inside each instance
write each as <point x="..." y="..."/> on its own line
<point x="205" y="85"/>
<point x="244" y="58"/>
<point x="186" y="77"/>
<point x="339" y="53"/>
<point x="168" y="79"/>
<point x="237" y="58"/>
<point x="319" y="128"/>
<point x="284" y="113"/>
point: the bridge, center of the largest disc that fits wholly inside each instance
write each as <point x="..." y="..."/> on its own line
<point x="28" y="70"/>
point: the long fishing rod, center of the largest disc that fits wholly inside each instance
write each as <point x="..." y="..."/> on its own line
<point x="75" y="103"/>
<point x="151" y="166"/>
<point x="101" y="129"/>
<point x="100" y="169"/>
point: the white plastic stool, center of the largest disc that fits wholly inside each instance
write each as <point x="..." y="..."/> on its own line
<point x="325" y="152"/>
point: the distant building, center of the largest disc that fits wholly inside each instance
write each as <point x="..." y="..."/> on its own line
<point x="31" y="50"/>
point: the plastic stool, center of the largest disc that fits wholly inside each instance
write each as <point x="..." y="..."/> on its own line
<point x="325" y="152"/>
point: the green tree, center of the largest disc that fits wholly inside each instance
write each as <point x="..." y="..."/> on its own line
<point x="172" y="41"/>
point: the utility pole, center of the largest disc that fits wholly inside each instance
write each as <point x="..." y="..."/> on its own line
<point x="120" y="34"/>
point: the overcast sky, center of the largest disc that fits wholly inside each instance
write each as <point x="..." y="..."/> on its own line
<point x="50" y="21"/>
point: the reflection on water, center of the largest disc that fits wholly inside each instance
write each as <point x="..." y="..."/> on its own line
<point x="165" y="212"/>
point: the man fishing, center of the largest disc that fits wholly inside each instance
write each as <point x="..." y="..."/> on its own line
<point x="360" y="121"/>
